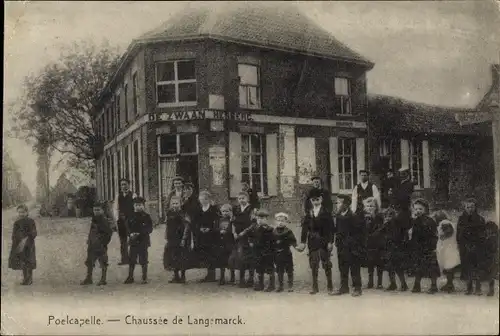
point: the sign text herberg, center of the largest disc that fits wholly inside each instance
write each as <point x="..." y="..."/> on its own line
<point x="205" y="114"/>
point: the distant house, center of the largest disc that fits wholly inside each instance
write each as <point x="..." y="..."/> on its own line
<point x="14" y="190"/>
<point x="60" y="193"/>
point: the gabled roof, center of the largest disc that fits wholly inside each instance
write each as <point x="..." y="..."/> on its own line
<point x="492" y="97"/>
<point x="277" y="26"/>
<point x="392" y="114"/>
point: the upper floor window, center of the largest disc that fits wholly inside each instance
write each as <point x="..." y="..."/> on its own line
<point x="417" y="163"/>
<point x="386" y="154"/>
<point x="134" y="93"/>
<point x="252" y="161"/>
<point x="343" y="96"/>
<point x="125" y="102"/>
<point x="178" y="144"/>
<point x="116" y="111"/>
<point x="176" y="83"/>
<point x="347" y="164"/>
<point x="249" y="86"/>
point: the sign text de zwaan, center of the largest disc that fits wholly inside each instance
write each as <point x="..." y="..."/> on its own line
<point x="205" y="114"/>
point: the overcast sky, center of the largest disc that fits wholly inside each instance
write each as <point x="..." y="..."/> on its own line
<point x="432" y="52"/>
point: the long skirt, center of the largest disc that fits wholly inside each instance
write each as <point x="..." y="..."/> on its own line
<point x="396" y="258"/>
<point x="26" y="259"/>
<point x="176" y="258"/>
<point x="425" y="264"/>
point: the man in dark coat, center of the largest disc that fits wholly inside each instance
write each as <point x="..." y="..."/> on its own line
<point x="123" y="211"/>
<point x="350" y="239"/>
<point x="402" y="197"/>
<point x="388" y="186"/>
<point x="325" y="195"/>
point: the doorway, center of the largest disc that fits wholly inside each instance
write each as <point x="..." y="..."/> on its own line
<point x="442" y="178"/>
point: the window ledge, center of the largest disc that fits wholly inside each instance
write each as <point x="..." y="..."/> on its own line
<point x="176" y="104"/>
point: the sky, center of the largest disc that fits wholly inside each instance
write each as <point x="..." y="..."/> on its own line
<point x="435" y="52"/>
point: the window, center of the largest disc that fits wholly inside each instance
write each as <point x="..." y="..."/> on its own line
<point x="119" y="164"/>
<point x="103" y="178"/>
<point x="252" y="161"/>
<point x="417" y="163"/>
<point x="135" y="156"/>
<point x="117" y="112"/>
<point x="109" y="181"/>
<point x="112" y="181"/>
<point x="178" y="144"/>
<point x="249" y="86"/>
<point x="126" y="163"/>
<point x="112" y="122"/>
<point x="386" y="152"/>
<point x="347" y="164"/>
<point x="343" y="96"/>
<point x="176" y="83"/>
<point x="134" y="93"/>
<point x="125" y="102"/>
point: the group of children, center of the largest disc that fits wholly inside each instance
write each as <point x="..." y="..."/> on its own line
<point x="243" y="239"/>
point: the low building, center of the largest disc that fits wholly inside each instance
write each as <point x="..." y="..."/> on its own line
<point x="245" y="92"/>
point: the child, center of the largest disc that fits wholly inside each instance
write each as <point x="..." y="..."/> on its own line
<point x="396" y="250"/>
<point x="491" y="254"/>
<point x="263" y="239"/>
<point x="423" y="240"/>
<point x="447" y="251"/>
<point x="225" y="242"/>
<point x="22" y="253"/>
<point x="140" y="226"/>
<point x="317" y="231"/>
<point x="206" y="220"/>
<point x="284" y="238"/>
<point x="242" y="256"/>
<point x="97" y="244"/>
<point x="375" y="241"/>
<point x="178" y="236"/>
<point x="470" y="234"/>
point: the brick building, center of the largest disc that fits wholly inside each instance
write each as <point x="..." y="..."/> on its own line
<point x="249" y="92"/>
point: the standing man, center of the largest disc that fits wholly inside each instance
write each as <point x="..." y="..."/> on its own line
<point x="388" y="186"/>
<point x="325" y="195"/>
<point x="178" y="191"/>
<point x="362" y="191"/>
<point x="123" y="208"/>
<point x="402" y="197"/>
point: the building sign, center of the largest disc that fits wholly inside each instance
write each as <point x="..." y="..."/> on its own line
<point x="204" y="114"/>
<point x="217" y="155"/>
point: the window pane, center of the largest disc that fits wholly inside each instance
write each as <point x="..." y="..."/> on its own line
<point x="126" y="169"/>
<point x="168" y="144"/>
<point x="253" y="96"/>
<point x="188" y="143"/>
<point x="256" y="164"/>
<point x="244" y="164"/>
<point x="346" y="107"/>
<point x="347" y="147"/>
<point x="256" y="182"/>
<point x="248" y="74"/>
<point x="348" y="181"/>
<point x="186" y="70"/>
<point x="243" y="95"/>
<point x="341" y="164"/>
<point x="187" y="92"/>
<point x="347" y="164"/>
<point x="341" y="182"/>
<point x="165" y="72"/>
<point x="256" y="143"/>
<point x="166" y="93"/>
<point x="245" y="143"/>
<point x="342" y="86"/>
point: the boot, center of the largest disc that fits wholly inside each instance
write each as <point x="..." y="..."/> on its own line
<point x="271" y="286"/>
<point x="478" y="290"/>
<point x="183" y="277"/>
<point x="380" y="277"/>
<point x="402" y="281"/>
<point x="491" y="289"/>
<point x="130" y="278"/>
<point x="434" y="288"/>
<point x="260" y="285"/>
<point x="290" y="282"/>
<point x="329" y="283"/>
<point x="315" y="288"/>
<point x="469" y="288"/>
<point x="222" y="280"/>
<point x="232" y="279"/>
<point x="357" y="292"/>
<point x="242" y="279"/>
<point x="392" y="280"/>
<point x="103" y="282"/>
<point x="175" y="278"/>
<point x="88" y="278"/>
<point x="448" y="287"/>
<point x="280" y="282"/>
<point x="251" y="275"/>
<point x="144" y="274"/>
<point x="416" y="286"/>
<point x="30" y="277"/>
<point x="370" y="278"/>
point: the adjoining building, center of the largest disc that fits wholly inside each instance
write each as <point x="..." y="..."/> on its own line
<point x="14" y="190"/>
<point x="247" y="92"/>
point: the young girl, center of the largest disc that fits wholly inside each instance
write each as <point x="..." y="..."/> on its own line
<point x="423" y="240"/>
<point x="225" y="243"/>
<point x="284" y="239"/>
<point x="447" y="249"/>
<point x="396" y="250"/>
<point x="178" y="236"/>
<point x="375" y="241"/>
<point x="22" y="254"/>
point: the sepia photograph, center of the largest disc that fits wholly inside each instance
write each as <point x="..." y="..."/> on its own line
<point x="251" y="168"/>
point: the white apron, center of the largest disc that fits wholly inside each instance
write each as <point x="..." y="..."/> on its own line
<point x="447" y="252"/>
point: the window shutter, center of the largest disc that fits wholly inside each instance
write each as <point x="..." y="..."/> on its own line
<point x="234" y="163"/>
<point x="405" y="154"/>
<point x="426" y="164"/>
<point x="334" y="164"/>
<point x="272" y="164"/>
<point x="360" y="154"/>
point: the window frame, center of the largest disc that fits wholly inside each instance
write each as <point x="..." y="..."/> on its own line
<point x="248" y="86"/>
<point x="419" y="182"/>
<point x="176" y="83"/>
<point x="390" y="146"/>
<point x="135" y="84"/>
<point x="250" y="154"/>
<point x="341" y="156"/>
<point x="340" y="111"/>
<point x="178" y="145"/>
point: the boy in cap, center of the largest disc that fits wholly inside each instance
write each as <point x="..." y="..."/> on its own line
<point x="317" y="232"/>
<point x="263" y="240"/>
<point x="140" y="227"/>
<point x="284" y="238"/>
<point x="97" y="244"/>
<point x="327" y="200"/>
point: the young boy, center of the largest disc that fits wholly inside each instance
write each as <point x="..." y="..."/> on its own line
<point x="349" y="239"/>
<point x="263" y="239"/>
<point x="140" y="226"/>
<point x="396" y="251"/>
<point x="225" y="243"/>
<point x="97" y="244"/>
<point x="22" y="253"/>
<point x="284" y="238"/>
<point x="177" y="234"/>
<point x="317" y="232"/>
<point x="243" y="223"/>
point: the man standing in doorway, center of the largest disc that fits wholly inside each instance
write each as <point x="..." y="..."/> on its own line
<point x="388" y="186"/>
<point x="363" y="190"/>
<point x="402" y="196"/>
<point x="124" y="209"/>
<point x="325" y="194"/>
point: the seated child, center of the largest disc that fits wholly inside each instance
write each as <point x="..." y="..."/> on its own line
<point x="284" y="238"/>
<point x="225" y="242"/>
<point x="447" y="253"/>
<point x="97" y="244"/>
<point x="264" y="245"/>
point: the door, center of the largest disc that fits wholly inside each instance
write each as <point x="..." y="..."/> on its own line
<point x="442" y="178"/>
<point x="187" y="167"/>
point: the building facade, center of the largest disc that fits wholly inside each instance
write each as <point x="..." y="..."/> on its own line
<point x="223" y="98"/>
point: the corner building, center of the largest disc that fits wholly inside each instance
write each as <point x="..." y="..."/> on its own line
<point x="251" y="92"/>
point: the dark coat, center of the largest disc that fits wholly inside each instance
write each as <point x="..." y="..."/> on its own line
<point x="402" y="195"/>
<point x="423" y="243"/>
<point x="100" y="233"/>
<point x="396" y="248"/>
<point x="350" y="236"/>
<point x="242" y="256"/>
<point x="205" y="242"/>
<point x="327" y="201"/>
<point x="471" y="233"/>
<point x="319" y="231"/>
<point x="264" y="248"/>
<point x="491" y="251"/>
<point x="254" y="199"/>
<point x="23" y="228"/>
<point x="284" y="239"/>
<point x="125" y="212"/>
<point x="141" y="223"/>
<point x="224" y="242"/>
<point x="191" y="205"/>
<point x="387" y="185"/>
<point x="376" y="236"/>
<point x="175" y="255"/>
